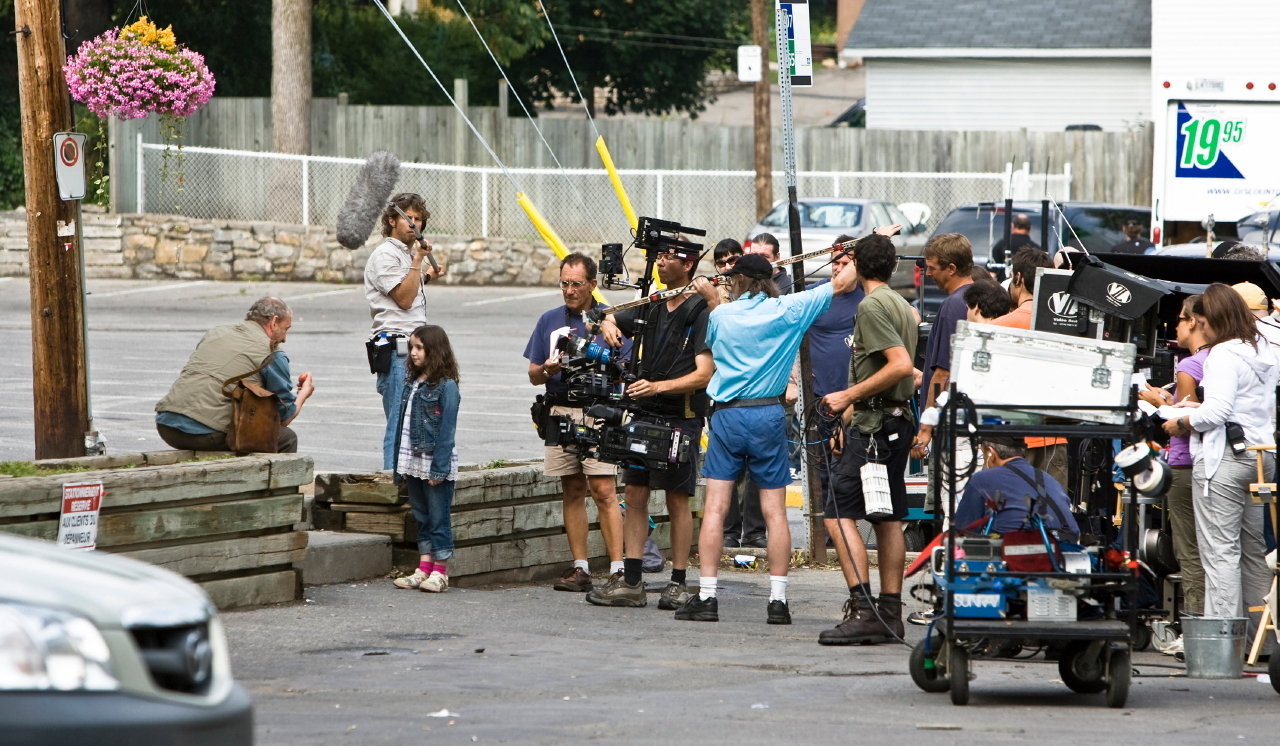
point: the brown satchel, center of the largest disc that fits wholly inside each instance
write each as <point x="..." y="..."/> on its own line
<point x="255" y="418"/>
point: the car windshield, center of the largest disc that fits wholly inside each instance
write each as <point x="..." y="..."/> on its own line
<point x="1259" y="228"/>
<point x="835" y="215"/>
<point x="983" y="226"/>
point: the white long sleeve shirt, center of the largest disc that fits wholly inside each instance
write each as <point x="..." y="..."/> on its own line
<point x="1239" y="386"/>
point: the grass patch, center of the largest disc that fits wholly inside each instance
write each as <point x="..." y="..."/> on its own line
<point x="29" y="469"/>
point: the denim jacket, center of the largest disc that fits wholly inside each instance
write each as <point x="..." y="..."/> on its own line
<point x="434" y="423"/>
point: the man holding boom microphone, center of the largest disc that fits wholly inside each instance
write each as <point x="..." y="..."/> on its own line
<point x="394" y="280"/>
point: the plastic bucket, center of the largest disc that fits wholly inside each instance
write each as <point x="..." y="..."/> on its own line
<point x="1214" y="647"/>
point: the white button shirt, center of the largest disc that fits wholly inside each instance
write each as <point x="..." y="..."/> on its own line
<point x="387" y="267"/>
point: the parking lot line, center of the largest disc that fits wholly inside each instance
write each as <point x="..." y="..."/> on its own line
<point x="149" y="289"/>
<point x="507" y="298"/>
<point x="320" y="294"/>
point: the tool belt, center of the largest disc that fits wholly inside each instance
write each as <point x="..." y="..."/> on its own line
<point x="735" y="403"/>
<point x="881" y="404"/>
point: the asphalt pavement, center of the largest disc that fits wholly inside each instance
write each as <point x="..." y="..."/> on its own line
<point x="141" y="333"/>
<point x="366" y="663"/>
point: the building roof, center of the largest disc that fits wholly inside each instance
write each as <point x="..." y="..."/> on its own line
<point x="1012" y="28"/>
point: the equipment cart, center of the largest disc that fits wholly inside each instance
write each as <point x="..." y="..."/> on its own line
<point x="1082" y="611"/>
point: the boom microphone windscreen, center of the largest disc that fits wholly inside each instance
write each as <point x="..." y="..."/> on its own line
<point x="367" y="199"/>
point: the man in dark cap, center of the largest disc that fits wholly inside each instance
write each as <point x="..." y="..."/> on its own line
<point x="753" y="341"/>
<point x="1134" y="242"/>
<point x="1007" y="491"/>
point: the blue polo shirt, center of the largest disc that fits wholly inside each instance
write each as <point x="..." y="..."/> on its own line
<point x="538" y="349"/>
<point x="829" y="340"/>
<point x="754" y="340"/>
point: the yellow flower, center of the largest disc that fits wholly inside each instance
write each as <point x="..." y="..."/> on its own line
<point x="146" y="33"/>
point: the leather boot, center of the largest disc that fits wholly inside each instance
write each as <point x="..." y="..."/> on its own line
<point x="891" y="613"/>
<point x="860" y="625"/>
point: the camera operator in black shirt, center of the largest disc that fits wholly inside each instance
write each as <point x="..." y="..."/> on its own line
<point x="674" y="369"/>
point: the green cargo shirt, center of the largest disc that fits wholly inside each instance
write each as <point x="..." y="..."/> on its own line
<point x="884" y="321"/>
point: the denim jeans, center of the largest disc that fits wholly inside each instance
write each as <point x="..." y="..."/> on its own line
<point x="390" y="384"/>
<point x="431" y="505"/>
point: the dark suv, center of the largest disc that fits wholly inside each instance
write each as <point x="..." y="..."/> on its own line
<point x="1094" y="225"/>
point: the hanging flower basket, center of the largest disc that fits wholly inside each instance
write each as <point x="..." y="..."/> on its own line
<point x="137" y="70"/>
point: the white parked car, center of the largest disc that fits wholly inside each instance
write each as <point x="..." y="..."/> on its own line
<point x="101" y="649"/>
<point x="823" y="219"/>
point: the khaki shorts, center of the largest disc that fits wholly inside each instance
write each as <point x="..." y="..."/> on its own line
<point x="557" y="462"/>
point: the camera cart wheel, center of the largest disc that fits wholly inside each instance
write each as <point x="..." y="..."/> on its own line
<point x="1119" y="673"/>
<point x="958" y="675"/>
<point x="1081" y="670"/>
<point x="1273" y="670"/>
<point x="1141" y="639"/>
<point x="930" y="676"/>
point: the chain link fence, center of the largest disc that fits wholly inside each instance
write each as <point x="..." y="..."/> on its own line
<point x="580" y="204"/>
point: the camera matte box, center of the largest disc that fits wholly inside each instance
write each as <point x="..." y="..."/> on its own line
<point x="1026" y="370"/>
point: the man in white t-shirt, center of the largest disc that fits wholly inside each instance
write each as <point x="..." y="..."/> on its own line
<point x="394" y="285"/>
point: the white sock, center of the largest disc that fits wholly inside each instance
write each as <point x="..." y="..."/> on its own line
<point x="778" y="588"/>
<point x="615" y="567"/>
<point x="582" y="564"/>
<point x="706" y="587"/>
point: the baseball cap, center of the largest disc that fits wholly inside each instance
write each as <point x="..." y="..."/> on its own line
<point x="754" y="266"/>
<point x="1253" y="295"/>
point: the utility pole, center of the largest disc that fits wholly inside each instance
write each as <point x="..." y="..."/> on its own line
<point x="60" y="389"/>
<point x="761" y="119"/>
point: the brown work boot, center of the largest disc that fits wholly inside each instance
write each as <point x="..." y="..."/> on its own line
<point x="860" y="625"/>
<point x="574" y="580"/>
<point x="891" y="614"/>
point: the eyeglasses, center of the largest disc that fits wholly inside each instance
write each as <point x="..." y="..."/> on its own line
<point x="727" y="261"/>
<point x="575" y="284"/>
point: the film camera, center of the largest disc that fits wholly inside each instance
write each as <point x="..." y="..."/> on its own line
<point x="620" y="431"/>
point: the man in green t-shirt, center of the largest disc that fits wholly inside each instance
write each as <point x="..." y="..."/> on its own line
<point x="877" y="412"/>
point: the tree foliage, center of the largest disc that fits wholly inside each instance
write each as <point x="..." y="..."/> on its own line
<point x="649" y="57"/>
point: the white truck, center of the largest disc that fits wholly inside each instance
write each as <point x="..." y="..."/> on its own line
<point x="1215" y="101"/>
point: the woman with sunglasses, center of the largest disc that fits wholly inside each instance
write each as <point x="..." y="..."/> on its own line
<point x="1190" y="334"/>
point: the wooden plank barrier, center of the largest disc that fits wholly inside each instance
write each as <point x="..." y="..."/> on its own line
<point x="508" y="522"/>
<point x="229" y="523"/>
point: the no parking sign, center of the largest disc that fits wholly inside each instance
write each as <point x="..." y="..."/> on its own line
<point x="68" y="163"/>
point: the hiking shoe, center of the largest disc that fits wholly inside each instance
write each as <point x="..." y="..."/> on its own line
<point x="617" y="593"/>
<point x="697" y="610"/>
<point x="574" y="580"/>
<point x="673" y="596"/>
<point x="409" y="582"/>
<point x="779" y="613"/>
<point x="860" y="625"/>
<point x="436" y="582"/>
<point x="891" y="615"/>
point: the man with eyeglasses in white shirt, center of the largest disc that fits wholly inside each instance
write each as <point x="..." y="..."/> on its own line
<point x="577" y="474"/>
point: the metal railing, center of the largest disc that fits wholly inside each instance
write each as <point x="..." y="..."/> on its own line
<point x="580" y="204"/>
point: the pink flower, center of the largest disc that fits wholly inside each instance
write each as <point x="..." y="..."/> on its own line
<point x="129" y="80"/>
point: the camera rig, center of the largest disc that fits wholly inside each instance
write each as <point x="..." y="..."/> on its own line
<point x="620" y="429"/>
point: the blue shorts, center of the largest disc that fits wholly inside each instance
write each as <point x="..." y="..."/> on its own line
<point x="754" y="437"/>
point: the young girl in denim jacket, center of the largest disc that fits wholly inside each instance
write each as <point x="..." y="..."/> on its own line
<point x="425" y="456"/>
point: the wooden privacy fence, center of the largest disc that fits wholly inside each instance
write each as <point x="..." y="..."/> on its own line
<point x="227" y="524"/>
<point x="508" y="523"/>
<point x="1106" y="166"/>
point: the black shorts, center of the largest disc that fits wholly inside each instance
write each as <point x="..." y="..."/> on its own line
<point x="893" y="449"/>
<point x="678" y="478"/>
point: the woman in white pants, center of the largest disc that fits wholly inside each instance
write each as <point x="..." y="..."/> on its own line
<point x="1239" y="387"/>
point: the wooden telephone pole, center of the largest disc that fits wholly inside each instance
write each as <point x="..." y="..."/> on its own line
<point x="59" y="380"/>
<point x="760" y="113"/>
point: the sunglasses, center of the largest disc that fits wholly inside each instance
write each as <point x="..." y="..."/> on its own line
<point x="727" y="261"/>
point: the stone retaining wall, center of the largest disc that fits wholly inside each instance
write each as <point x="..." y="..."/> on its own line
<point x="148" y="246"/>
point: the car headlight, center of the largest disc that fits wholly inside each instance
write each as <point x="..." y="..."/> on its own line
<point x="44" y="649"/>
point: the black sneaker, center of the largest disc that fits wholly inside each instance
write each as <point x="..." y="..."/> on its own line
<point x="697" y="610"/>
<point x="731" y="541"/>
<point x="779" y="613"/>
<point x="755" y="540"/>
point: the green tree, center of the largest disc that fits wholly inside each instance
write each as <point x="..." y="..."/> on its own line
<point x="649" y="57"/>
